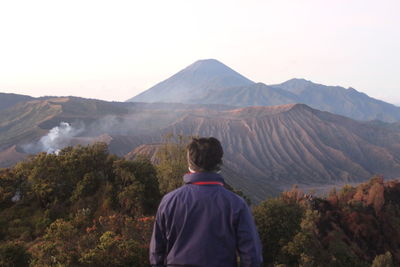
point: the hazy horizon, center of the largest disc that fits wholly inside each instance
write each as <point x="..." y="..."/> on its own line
<point x="115" y="50"/>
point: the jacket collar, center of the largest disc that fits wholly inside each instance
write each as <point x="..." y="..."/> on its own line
<point x="202" y="177"/>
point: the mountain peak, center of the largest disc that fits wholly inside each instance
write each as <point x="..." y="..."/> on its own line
<point x="209" y="65"/>
<point x="192" y="82"/>
<point x="207" y="61"/>
<point x="212" y="67"/>
<point x="298" y="82"/>
<point x="296" y="85"/>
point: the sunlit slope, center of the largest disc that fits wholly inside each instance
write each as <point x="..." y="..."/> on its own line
<point x="295" y="144"/>
<point x="127" y="125"/>
<point x="10" y="156"/>
<point x="21" y="122"/>
<point x="266" y="148"/>
<point x="9" y="100"/>
<point x="28" y="121"/>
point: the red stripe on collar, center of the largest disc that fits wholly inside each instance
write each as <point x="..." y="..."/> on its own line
<point x="206" y="183"/>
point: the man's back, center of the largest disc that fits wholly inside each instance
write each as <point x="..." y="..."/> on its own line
<point x="203" y="224"/>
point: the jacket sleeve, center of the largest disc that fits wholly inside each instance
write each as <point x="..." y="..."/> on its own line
<point x="248" y="240"/>
<point x="158" y="242"/>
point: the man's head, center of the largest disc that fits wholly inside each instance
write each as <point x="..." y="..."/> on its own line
<point x="204" y="154"/>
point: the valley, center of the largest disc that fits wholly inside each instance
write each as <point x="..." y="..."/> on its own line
<point x="274" y="136"/>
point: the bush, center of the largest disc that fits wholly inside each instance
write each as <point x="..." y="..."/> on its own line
<point x="277" y="222"/>
<point x="384" y="260"/>
<point x="114" y="250"/>
<point x="14" y="255"/>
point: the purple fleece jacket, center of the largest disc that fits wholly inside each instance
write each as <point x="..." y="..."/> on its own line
<point x="204" y="226"/>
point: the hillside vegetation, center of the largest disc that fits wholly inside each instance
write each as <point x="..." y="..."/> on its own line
<point x="356" y="226"/>
<point x="83" y="207"/>
<point x="86" y="207"/>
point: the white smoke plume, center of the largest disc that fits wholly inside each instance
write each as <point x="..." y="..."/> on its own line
<point x="57" y="138"/>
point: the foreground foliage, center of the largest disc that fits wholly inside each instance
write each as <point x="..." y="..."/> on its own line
<point x="357" y="226"/>
<point x="85" y="207"/>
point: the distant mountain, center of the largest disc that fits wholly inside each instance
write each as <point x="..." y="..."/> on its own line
<point x="257" y="94"/>
<point x="335" y="99"/>
<point x="193" y="82"/>
<point x="211" y="82"/>
<point x="9" y="100"/>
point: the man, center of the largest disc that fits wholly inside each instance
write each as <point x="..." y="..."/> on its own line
<point x="202" y="224"/>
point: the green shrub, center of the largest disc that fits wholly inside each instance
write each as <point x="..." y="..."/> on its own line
<point x="14" y="255"/>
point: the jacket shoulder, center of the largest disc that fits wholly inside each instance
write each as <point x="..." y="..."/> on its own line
<point x="171" y="196"/>
<point x="234" y="197"/>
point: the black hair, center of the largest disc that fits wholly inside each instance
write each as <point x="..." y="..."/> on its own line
<point x="205" y="154"/>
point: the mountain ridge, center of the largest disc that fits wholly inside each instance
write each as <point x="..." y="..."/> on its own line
<point x="267" y="148"/>
<point x="339" y="100"/>
<point x="295" y="144"/>
<point x="8" y="100"/>
<point x="236" y="90"/>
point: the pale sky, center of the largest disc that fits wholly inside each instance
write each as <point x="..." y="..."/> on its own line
<point x="113" y="50"/>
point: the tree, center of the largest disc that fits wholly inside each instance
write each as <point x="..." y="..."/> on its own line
<point x="8" y="188"/>
<point x="277" y="222"/>
<point x="305" y="246"/>
<point x="384" y="260"/>
<point x="136" y="186"/>
<point x="59" y="245"/>
<point x="13" y="254"/>
<point x="172" y="162"/>
<point x="114" y="250"/>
